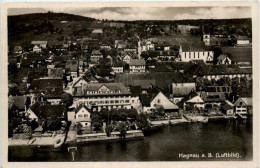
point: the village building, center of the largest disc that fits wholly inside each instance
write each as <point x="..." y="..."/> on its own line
<point x="243" y="106"/>
<point x="50" y="88"/>
<point x="81" y="114"/>
<point x="44" y="111"/>
<point x="227" y="108"/>
<point x="103" y="95"/>
<point x="97" y="31"/>
<point x="37" y="49"/>
<point x="95" y="56"/>
<point x="243" y="40"/>
<point x="41" y="44"/>
<point x="145" y="84"/>
<point x="221" y="71"/>
<point x="137" y="66"/>
<point x="155" y="98"/>
<point x="224" y="59"/>
<point x="241" y="56"/>
<point x="118" y="67"/>
<point x="181" y="90"/>
<point x="55" y="72"/>
<point x="190" y="52"/>
<point x="166" y="56"/>
<point x="126" y="57"/>
<point x="193" y="100"/>
<point x="71" y="68"/>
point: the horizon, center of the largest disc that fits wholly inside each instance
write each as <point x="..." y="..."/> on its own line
<point x="145" y="14"/>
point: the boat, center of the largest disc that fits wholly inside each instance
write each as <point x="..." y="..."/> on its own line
<point x="58" y="143"/>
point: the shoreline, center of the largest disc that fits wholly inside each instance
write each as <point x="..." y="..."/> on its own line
<point x="102" y="137"/>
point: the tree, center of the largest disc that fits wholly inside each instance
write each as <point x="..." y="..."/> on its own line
<point x="122" y="129"/>
<point x="52" y="124"/>
<point x="142" y="122"/>
<point x="79" y="126"/>
<point x="96" y="121"/>
<point x="67" y="99"/>
<point x="33" y="124"/>
<point x="105" y="114"/>
<point x="108" y="130"/>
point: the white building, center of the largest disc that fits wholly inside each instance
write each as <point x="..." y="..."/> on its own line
<point x="243" y="40"/>
<point x="243" y="105"/>
<point x="137" y="65"/>
<point x="190" y="52"/>
<point x="103" y="95"/>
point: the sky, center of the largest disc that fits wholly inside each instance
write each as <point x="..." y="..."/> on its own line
<point x="151" y="13"/>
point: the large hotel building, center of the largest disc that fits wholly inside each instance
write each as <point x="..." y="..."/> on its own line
<point x="102" y="95"/>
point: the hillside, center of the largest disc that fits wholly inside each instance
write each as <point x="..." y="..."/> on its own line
<point x="22" y="29"/>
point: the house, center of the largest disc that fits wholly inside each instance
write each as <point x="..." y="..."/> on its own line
<point x="145" y="84"/>
<point x="103" y="95"/>
<point x="239" y="55"/>
<point x="127" y="56"/>
<point x="188" y="52"/>
<point x="224" y="59"/>
<point x="137" y="65"/>
<point x="206" y="39"/>
<point x="105" y="47"/>
<point x="37" y="49"/>
<point x="81" y="114"/>
<point x="97" y="31"/>
<point x="213" y="99"/>
<point x="55" y="72"/>
<point x="195" y="68"/>
<point x="41" y="44"/>
<point x="243" y="106"/>
<point x="80" y="82"/>
<point x="42" y="84"/>
<point x="181" y="90"/>
<point x="31" y="115"/>
<point x="166" y="56"/>
<point x="192" y="100"/>
<point x="95" y="56"/>
<point x="18" y="49"/>
<point x="220" y="71"/>
<point x="243" y="40"/>
<point x="81" y="67"/>
<point x="227" y="108"/>
<point x="53" y="95"/>
<point x="155" y="98"/>
<point x="118" y="67"/>
<point x="72" y="69"/>
<point x="48" y="111"/>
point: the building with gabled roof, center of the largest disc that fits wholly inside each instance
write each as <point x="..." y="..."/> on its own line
<point x="103" y="95"/>
<point x="155" y="98"/>
<point x="193" y="99"/>
<point x="43" y="44"/>
<point x="181" y="90"/>
<point x="48" y="111"/>
<point x="81" y="114"/>
<point x="137" y="65"/>
<point x="243" y="105"/>
<point x="198" y="51"/>
<point x="224" y="59"/>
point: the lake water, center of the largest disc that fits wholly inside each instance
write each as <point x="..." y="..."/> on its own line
<point x="167" y="144"/>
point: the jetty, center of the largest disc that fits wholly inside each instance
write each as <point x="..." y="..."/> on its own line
<point x="133" y="134"/>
